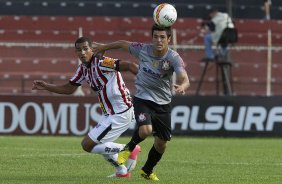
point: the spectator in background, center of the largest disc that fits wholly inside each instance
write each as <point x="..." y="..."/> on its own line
<point x="213" y="30"/>
<point x="267" y="4"/>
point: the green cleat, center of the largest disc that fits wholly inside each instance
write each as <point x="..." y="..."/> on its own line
<point x="123" y="156"/>
<point x="151" y="176"/>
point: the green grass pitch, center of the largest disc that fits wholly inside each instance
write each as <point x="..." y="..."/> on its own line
<point x="35" y="159"/>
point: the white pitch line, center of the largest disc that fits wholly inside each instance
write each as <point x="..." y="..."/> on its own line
<point x="177" y="161"/>
<point x="228" y="163"/>
<point x="29" y="149"/>
<point x="54" y="155"/>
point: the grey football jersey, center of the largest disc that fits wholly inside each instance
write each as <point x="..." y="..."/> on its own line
<point x="154" y="78"/>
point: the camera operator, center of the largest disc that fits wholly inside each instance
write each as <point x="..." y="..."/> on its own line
<point x="213" y="30"/>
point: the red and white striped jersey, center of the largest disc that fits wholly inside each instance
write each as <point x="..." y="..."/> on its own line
<point x="103" y="76"/>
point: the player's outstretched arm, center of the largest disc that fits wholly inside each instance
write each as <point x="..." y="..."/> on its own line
<point x="60" y="89"/>
<point x="98" y="51"/>
<point x="101" y="48"/>
<point x="128" y="66"/>
<point x="183" y="83"/>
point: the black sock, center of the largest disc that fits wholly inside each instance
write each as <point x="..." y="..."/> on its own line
<point x="134" y="140"/>
<point x="153" y="158"/>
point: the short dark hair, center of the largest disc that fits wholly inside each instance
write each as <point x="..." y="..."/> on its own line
<point x="156" y="27"/>
<point x="82" y="40"/>
<point x="212" y="10"/>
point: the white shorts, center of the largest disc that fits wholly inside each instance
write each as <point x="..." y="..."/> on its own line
<point x="112" y="126"/>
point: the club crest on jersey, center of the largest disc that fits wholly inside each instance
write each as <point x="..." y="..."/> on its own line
<point x="165" y="65"/>
<point x="141" y="117"/>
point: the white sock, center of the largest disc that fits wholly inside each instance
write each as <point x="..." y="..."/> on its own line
<point x="107" y="148"/>
<point x="112" y="159"/>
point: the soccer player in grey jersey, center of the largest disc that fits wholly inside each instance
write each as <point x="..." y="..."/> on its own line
<point x="157" y="62"/>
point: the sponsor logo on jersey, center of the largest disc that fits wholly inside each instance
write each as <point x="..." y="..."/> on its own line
<point x="151" y="72"/>
<point x="155" y="63"/>
<point x="144" y="61"/>
<point x="108" y="62"/>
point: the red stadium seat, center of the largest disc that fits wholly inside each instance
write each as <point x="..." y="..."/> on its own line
<point x="19" y="64"/>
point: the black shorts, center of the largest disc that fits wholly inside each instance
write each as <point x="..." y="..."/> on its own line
<point x="150" y="113"/>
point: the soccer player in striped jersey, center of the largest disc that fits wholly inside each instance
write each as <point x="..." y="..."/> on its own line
<point x="103" y="76"/>
<point x="157" y="63"/>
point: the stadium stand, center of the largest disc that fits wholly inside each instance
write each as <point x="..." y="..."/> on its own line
<point x="19" y="65"/>
<point x="194" y="8"/>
